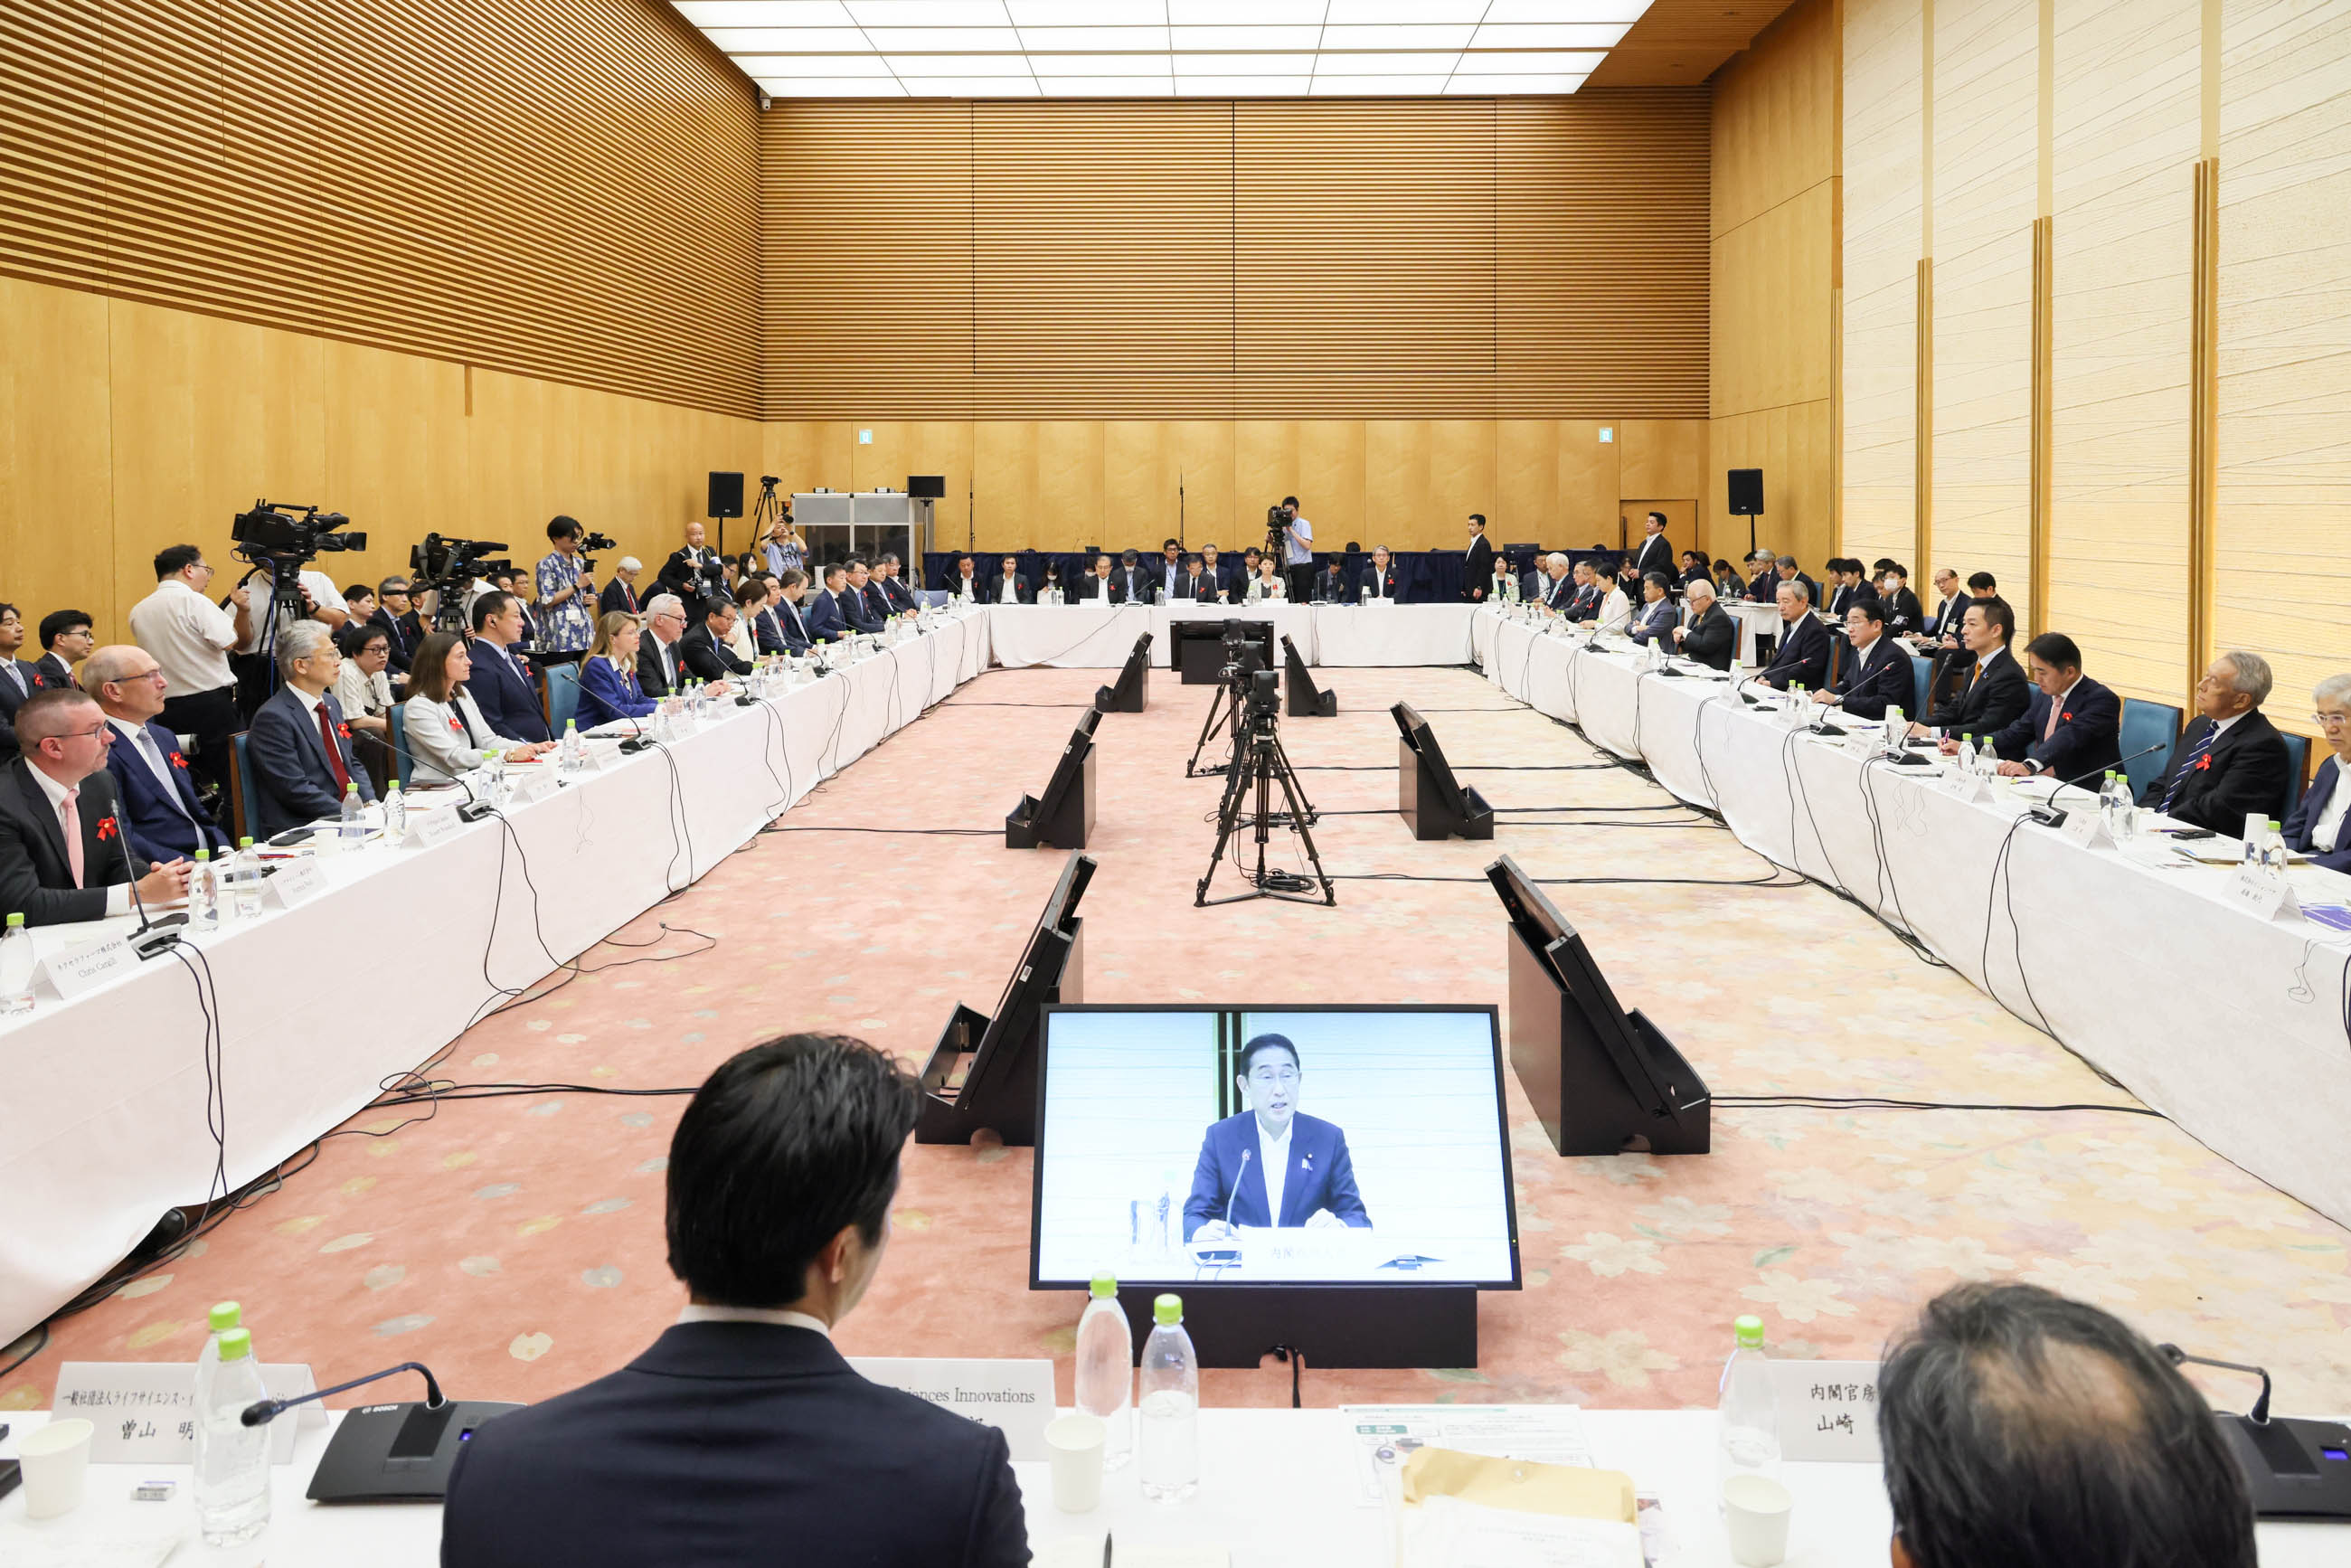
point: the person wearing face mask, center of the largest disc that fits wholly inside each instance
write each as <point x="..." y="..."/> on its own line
<point x="1270" y="1166"/>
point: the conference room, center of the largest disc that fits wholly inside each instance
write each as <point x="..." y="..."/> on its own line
<point x="1334" y="781"/>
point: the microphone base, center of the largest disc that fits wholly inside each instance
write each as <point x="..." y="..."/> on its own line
<point x="398" y="1453"/>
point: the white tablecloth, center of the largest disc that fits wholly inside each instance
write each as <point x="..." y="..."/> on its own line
<point x="1277" y="1488"/>
<point x="2229" y="1025"/>
<point x="104" y="1127"/>
<point x="1071" y="636"/>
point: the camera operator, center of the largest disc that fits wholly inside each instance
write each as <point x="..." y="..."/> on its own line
<point x="780" y="543"/>
<point x="1297" y="536"/>
<point x="695" y="572"/>
<point x="321" y="601"/>
<point x="566" y="595"/>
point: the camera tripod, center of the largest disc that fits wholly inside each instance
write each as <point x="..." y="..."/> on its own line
<point x="1258" y="764"/>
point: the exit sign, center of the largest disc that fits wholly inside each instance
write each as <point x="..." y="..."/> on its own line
<point x="1607" y="434"/>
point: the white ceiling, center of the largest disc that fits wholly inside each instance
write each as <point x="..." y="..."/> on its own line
<point x="1163" y="49"/>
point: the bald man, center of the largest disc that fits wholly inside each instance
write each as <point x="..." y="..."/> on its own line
<point x="160" y="811"/>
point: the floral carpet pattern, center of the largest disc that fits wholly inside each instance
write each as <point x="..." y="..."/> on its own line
<point x="514" y="1244"/>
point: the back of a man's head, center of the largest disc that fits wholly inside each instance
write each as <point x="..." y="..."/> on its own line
<point x="2026" y="1430"/>
<point x="782" y="1148"/>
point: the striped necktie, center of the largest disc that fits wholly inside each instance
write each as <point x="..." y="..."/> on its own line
<point x="2188" y="765"/>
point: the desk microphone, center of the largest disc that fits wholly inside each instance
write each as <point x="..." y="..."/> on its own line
<point x="1235" y="1196"/>
<point x="475" y="808"/>
<point x="1593" y="641"/>
<point x="261" y="1412"/>
<point x="163" y="938"/>
<point x="2049" y="815"/>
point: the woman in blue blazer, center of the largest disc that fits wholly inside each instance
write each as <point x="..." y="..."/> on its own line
<point x="608" y="676"/>
<point x="2302" y="828"/>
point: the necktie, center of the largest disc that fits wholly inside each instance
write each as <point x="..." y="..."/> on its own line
<point x="146" y="743"/>
<point x="69" y="819"/>
<point x="17" y="675"/>
<point x="334" y="752"/>
<point x="2050" y="728"/>
<point x="1974" y="669"/>
<point x="2188" y="765"/>
<point x="795" y="611"/>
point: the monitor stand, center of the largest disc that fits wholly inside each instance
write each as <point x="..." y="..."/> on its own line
<point x="1421" y="800"/>
<point x="1400" y="1325"/>
<point x="1582" y="1101"/>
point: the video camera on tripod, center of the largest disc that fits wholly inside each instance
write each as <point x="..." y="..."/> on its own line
<point x="1278" y="519"/>
<point x="590" y="542"/>
<point x="280" y="538"/>
<point x="1257" y="768"/>
<point x="446" y="568"/>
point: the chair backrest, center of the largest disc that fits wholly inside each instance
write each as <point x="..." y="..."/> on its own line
<point x="2297" y="757"/>
<point x="244" y="804"/>
<point x="562" y="696"/>
<point x="1922" y="675"/>
<point x="2146" y="724"/>
<point x="398" y="728"/>
<point x="1532" y="585"/>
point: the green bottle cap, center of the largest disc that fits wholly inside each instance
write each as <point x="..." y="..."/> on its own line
<point x="203" y="856"/>
<point x="569" y="724"/>
<point x="236" y="1345"/>
<point x="15" y="920"/>
<point x="224" y="1316"/>
<point x="1104" y="1287"/>
<point x="1749" y="1331"/>
<point x="1167" y="1311"/>
<point x="245" y="843"/>
<point x="352" y="788"/>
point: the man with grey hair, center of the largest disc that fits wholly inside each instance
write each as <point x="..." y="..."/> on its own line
<point x="661" y="664"/>
<point x="1709" y="634"/>
<point x="2231" y="762"/>
<point x="2317" y="826"/>
<point x="1802" y="657"/>
<point x="620" y="592"/>
<point x="298" y="750"/>
<point x="63" y="857"/>
<point x="160" y="811"/>
<point x="1558" y="592"/>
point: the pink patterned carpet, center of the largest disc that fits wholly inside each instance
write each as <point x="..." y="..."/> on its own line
<point x="515" y="1244"/>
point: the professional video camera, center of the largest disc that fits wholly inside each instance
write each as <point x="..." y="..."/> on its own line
<point x="1278" y="520"/>
<point x="590" y="542"/>
<point x="276" y="531"/>
<point x="446" y="568"/>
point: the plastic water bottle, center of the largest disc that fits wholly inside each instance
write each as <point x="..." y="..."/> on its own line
<point x="574" y="759"/>
<point x="2274" y="851"/>
<point x="204" y="894"/>
<point x="1107" y="1370"/>
<point x="247" y="879"/>
<point x="2114" y="804"/>
<point x="395" y="813"/>
<point x="224" y="1316"/>
<point x="494" y="777"/>
<point x="1747" y="1429"/>
<point x="354" y="815"/>
<point x="232" y="1469"/>
<point x="1168" y="1430"/>
<point x="16" y="966"/>
<point x="1967" y="754"/>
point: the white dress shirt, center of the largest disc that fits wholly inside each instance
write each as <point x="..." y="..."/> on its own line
<point x="360" y="693"/>
<point x="323" y="593"/>
<point x="2326" y="833"/>
<point x="774" y="1317"/>
<point x="118" y="897"/>
<point x="1093" y="589"/>
<point x="1274" y="1154"/>
<point x="189" y="635"/>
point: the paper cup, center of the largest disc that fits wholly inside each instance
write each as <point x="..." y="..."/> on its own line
<point x="56" y="1462"/>
<point x="1755" y="1513"/>
<point x="1074" y="1442"/>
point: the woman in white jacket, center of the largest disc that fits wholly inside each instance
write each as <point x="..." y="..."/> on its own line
<point x="446" y="732"/>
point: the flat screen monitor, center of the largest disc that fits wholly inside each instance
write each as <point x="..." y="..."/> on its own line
<point x="1157" y="1126"/>
<point x="926" y="486"/>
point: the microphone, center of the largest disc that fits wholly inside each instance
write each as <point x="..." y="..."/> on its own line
<point x="261" y="1412"/>
<point x="1593" y="638"/>
<point x="1236" y="1194"/>
<point x="2049" y="815"/>
<point x="163" y="939"/>
<point x="475" y="808"/>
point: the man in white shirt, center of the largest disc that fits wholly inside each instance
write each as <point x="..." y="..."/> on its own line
<point x="1304" y="1176"/>
<point x="324" y="600"/>
<point x="190" y="637"/>
<point x="1096" y="587"/>
<point x="1298" y="551"/>
<point x="63" y="853"/>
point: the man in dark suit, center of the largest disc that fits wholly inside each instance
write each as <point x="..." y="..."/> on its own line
<point x="66" y="641"/>
<point x="1658" y="615"/>
<point x="828" y="611"/>
<point x="1785" y="568"/>
<point x="1694" y="569"/>
<point x="1137" y="583"/>
<point x="1903" y="616"/>
<point x="1190" y="585"/>
<point x="1707" y="633"/>
<point x="789" y="618"/>
<point x="1655" y="552"/>
<point x="1219" y="573"/>
<point x="1943" y="627"/>
<point x="1098" y="587"/>
<point x="694" y="572"/>
<point x="1584" y="603"/>
<point x="1852" y="587"/>
<point x="1991" y="690"/>
<point x="1762" y="577"/>
<point x="2070" y="729"/>
<point x="756" y="600"/>
<point x="63" y="854"/>
<point x="1270" y="1166"/>
<point x="1559" y="584"/>
<point x="19" y="678"/>
<point x="161" y="811"/>
<point x="1330" y="586"/>
<point x="395" y="612"/>
<point x="1008" y="586"/>
<point x="1172" y="575"/>
<point x="899" y="594"/>
<point x="966" y="583"/>
<point x="501" y="684"/>
<point x="298" y="749"/>
<point x="661" y="666"/>
<point x="705" y="648"/>
<point x="620" y="593"/>
<point x="1803" y="656"/>
<point x="867" y="609"/>
<point x="741" y="1435"/>
<point x="1876" y="673"/>
<point x="2320" y="823"/>
<point x="2230" y="762"/>
<point x="1380" y="577"/>
<point x="1476" y="563"/>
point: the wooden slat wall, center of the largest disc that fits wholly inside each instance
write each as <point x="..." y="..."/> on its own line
<point x="1882" y="242"/>
<point x="557" y="191"/>
<point x="1441" y="259"/>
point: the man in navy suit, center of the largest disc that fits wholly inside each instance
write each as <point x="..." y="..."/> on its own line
<point x="62" y="852"/>
<point x="2073" y="724"/>
<point x="2230" y="762"/>
<point x="789" y="618"/>
<point x="1270" y="1166"/>
<point x="1137" y="583"/>
<point x="1803" y="656"/>
<point x="828" y="611"/>
<point x="2317" y="825"/>
<point x="501" y="684"/>
<point x="298" y="749"/>
<point x="1658" y="614"/>
<point x="900" y="594"/>
<point x="861" y="603"/>
<point x="161" y="813"/>
<point x="741" y="1435"/>
<point x="1878" y="676"/>
<point x="1991" y="690"/>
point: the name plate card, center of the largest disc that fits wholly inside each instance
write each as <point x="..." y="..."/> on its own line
<point x="1828" y="1410"/>
<point x="2261" y="896"/>
<point x="534" y="783"/>
<point x="144" y="1412"/>
<point x="2086" y="828"/>
<point x="295" y="882"/>
<point x="1967" y="787"/>
<point x="426" y="829"/>
<point x="1016" y="1398"/>
<point x="78" y="969"/>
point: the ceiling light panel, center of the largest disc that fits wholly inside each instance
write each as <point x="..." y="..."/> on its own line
<point x="764" y="41"/>
<point x="1377" y="87"/>
<point x="1084" y="40"/>
<point x="945" y="40"/>
<point x="908" y="67"/>
<point x="1627" y="12"/>
<point x="1242" y="86"/>
<point x="929" y="12"/>
<point x="1087" y="12"/>
<point x="1189" y="40"/>
<point x="1301" y="66"/>
<point x="1512" y="86"/>
<point x="708" y="14"/>
<point x="1548" y="36"/>
<point x="1246" y="13"/>
<point x="1545" y="62"/>
<point x="1346" y="13"/>
<point x="832" y="86"/>
<point x="771" y="66"/>
<point x="972" y="87"/>
<point x="1100" y="66"/>
<point x="1397" y="64"/>
<point x="1107" y="87"/>
<point x="1445" y="36"/>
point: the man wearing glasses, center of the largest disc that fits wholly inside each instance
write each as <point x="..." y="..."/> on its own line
<point x="395" y="612"/>
<point x="660" y="663"/>
<point x="63" y="853"/>
<point x="2317" y="826"/>
<point x="161" y="811"/>
<point x="191" y="638"/>
<point x="1270" y="1166"/>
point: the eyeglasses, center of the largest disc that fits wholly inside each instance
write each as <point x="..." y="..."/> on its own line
<point x="86" y="734"/>
<point x="2324" y="719"/>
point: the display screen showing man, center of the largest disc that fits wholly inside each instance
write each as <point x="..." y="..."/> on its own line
<point x="1270" y="1166"/>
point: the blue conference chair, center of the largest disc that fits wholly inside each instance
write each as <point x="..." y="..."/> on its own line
<point x="2146" y="724"/>
<point x="562" y="696"/>
<point x="1922" y="675"/>
<point x="244" y="799"/>
<point x="2297" y="757"/>
<point x="402" y="766"/>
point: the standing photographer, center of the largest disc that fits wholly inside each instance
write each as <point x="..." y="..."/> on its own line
<point x="567" y="597"/>
<point x="1297" y="536"/>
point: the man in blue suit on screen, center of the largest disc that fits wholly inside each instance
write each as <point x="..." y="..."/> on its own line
<point x="1270" y="1160"/>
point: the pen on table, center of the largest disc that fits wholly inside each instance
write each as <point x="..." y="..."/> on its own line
<point x="1105" y="1540"/>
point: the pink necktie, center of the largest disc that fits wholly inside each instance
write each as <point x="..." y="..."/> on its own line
<point x="69" y="819"/>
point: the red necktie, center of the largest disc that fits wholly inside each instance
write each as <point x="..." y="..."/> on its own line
<point x="334" y="752"/>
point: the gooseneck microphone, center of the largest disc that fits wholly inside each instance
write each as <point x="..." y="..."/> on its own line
<point x="261" y="1412"/>
<point x="153" y="935"/>
<point x="1235" y="1195"/>
<point x="2048" y="813"/>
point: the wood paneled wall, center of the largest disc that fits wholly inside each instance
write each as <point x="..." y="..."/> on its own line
<point x="554" y="191"/>
<point x="1775" y="217"/>
<point x="127" y="426"/>
<point x="1884" y="240"/>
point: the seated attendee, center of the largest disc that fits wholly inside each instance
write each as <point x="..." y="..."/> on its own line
<point x="1137" y="584"/>
<point x="1245" y="574"/>
<point x="66" y="641"/>
<point x="2070" y="728"/>
<point x="1380" y="578"/>
<point x="765" y="619"/>
<point x="1658" y="614"/>
<point x="395" y="613"/>
<point x="502" y="682"/>
<point x="1991" y="692"/>
<point x="1802" y="659"/>
<point x="741" y="1435"/>
<point x="1763" y="576"/>
<point x="1267" y="584"/>
<point x="363" y="687"/>
<point x="1903" y="616"/>
<point x="1190" y="585"/>
<point x="299" y="756"/>
<point x="828" y="613"/>
<point x="608" y="688"/>
<point x="1583" y="603"/>
<point x="1942" y="627"/>
<point x="1729" y="581"/>
<point x="160" y="808"/>
<point x="1877" y="671"/>
<point x="1694" y="568"/>
<point x="2315" y="826"/>
<point x="966" y="581"/>
<point x="1853" y="586"/>
<point x="446" y="728"/>
<point x="1048" y="581"/>
<point x="1559" y="584"/>
<point x="1707" y="633"/>
<point x="901" y="595"/>
<point x="2025" y="1430"/>
<point x="787" y="612"/>
<point x="706" y="650"/>
<point x="859" y="603"/>
<point x="1098" y="587"/>
<point x="1008" y="586"/>
<point x="1218" y="572"/>
<point x="1331" y="585"/>
<point x="742" y="639"/>
<point x="64" y="856"/>
<point x="2230" y="761"/>
<point x="620" y="592"/>
<point x="1785" y="569"/>
<point x="660" y="667"/>
<point x="19" y="678"/>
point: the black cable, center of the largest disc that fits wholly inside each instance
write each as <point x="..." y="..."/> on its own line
<point x="952" y="703"/>
<point x="941" y="832"/>
<point x="1584" y="881"/>
<point x="1875" y="1102"/>
<point x="40" y="1336"/>
<point x="2003" y="882"/>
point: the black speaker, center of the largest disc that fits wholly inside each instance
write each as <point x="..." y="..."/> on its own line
<point x="1746" y="492"/>
<point x="725" y="495"/>
<point x="926" y="486"/>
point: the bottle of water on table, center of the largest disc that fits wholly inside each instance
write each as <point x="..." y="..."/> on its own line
<point x="354" y="816"/>
<point x="231" y="1467"/>
<point x="16" y="966"/>
<point x="204" y="893"/>
<point x="248" y="880"/>
<point x="1747" y="1430"/>
<point x="1168" y="1427"/>
<point x="1106" y="1371"/>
